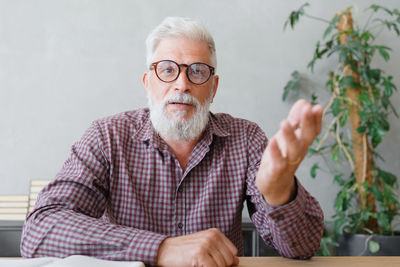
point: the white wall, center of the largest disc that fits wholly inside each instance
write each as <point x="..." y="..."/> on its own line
<point x="64" y="63"/>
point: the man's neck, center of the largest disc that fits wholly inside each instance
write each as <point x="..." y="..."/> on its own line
<point x="182" y="150"/>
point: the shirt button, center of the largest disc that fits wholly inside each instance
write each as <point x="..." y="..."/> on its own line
<point x="280" y="217"/>
<point x="294" y="244"/>
<point x="180" y="189"/>
<point x="180" y="225"/>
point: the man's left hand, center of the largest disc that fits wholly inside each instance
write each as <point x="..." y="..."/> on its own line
<point x="285" y="151"/>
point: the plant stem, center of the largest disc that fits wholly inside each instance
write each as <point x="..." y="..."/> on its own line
<point x="379" y="32"/>
<point x="337" y="136"/>
<point x="327" y="132"/>
<point x="317" y="18"/>
<point x="368" y="21"/>
<point x="365" y="199"/>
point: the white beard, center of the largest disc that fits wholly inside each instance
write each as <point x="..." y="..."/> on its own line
<point x="179" y="129"/>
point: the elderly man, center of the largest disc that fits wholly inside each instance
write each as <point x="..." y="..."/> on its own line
<point x="166" y="185"/>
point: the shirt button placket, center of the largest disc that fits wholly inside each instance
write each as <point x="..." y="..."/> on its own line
<point x="180" y="205"/>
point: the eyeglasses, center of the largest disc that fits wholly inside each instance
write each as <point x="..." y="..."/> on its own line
<point x="168" y="71"/>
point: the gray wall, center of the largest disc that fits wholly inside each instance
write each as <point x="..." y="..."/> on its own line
<point x="64" y="63"/>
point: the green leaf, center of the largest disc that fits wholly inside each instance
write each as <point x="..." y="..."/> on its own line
<point x="373" y="246"/>
<point x="335" y="155"/>
<point x="338" y="178"/>
<point x="376" y="140"/>
<point x="387" y="177"/>
<point x="374" y="75"/>
<point x="384" y="125"/>
<point x="376" y="7"/>
<point x="366" y="36"/>
<point x="365" y="185"/>
<point x="361" y="129"/>
<point x="390" y="24"/>
<point x="353" y="64"/>
<point x="332" y="25"/>
<point x="357" y="54"/>
<point x="312" y="151"/>
<point x="382" y="51"/>
<point x="319" y="53"/>
<point x="293" y="85"/>
<point x="313" y="171"/>
<point x="388" y="86"/>
<point x="385" y="102"/>
<point x="344" y="118"/>
<point x="364" y="115"/>
<point x="295" y="16"/>
<point x="396" y="29"/>
<point x="348" y="81"/>
<point x="371" y="75"/>
<point x="388" y="92"/>
<point x="314" y="98"/>
<point x="393" y="110"/>
<point x="336" y="107"/>
<point x="338" y="225"/>
<point x="364" y="98"/>
<point x="341" y="196"/>
<point x="377" y="194"/>
<point x="383" y="220"/>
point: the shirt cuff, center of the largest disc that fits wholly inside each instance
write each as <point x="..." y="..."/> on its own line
<point x="290" y="210"/>
<point x="289" y="223"/>
<point x="144" y="247"/>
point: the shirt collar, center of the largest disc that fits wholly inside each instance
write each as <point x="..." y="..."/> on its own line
<point x="215" y="127"/>
<point x="147" y="133"/>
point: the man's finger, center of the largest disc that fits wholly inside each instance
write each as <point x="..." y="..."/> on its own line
<point x="218" y="257"/>
<point x="307" y="127"/>
<point x="223" y="249"/>
<point x="276" y="156"/>
<point x="317" y="112"/>
<point x="205" y="260"/>
<point x="293" y="146"/>
<point x="229" y="251"/>
<point x="294" y="116"/>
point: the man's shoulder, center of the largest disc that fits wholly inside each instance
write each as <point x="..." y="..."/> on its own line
<point x="132" y="119"/>
<point x="241" y="131"/>
<point x="228" y="121"/>
<point x="234" y="125"/>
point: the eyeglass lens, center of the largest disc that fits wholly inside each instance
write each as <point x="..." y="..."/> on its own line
<point x="169" y="71"/>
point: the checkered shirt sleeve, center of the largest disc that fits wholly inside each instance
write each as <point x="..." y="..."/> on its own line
<point x="294" y="229"/>
<point x="66" y="220"/>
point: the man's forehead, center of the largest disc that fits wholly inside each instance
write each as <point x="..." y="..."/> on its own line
<point x="182" y="49"/>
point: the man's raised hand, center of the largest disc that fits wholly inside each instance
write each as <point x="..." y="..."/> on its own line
<point x="285" y="151"/>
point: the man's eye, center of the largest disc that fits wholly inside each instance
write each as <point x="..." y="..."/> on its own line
<point x="196" y="71"/>
<point x="168" y="70"/>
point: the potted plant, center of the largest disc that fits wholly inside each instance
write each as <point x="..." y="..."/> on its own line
<point x="355" y="122"/>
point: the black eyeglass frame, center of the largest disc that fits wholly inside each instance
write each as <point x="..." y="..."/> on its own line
<point x="154" y="65"/>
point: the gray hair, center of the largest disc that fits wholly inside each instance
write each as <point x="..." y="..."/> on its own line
<point x="177" y="27"/>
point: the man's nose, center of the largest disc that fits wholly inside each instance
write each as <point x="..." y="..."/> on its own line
<point x="182" y="83"/>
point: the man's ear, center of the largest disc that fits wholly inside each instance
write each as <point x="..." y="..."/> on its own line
<point x="215" y="86"/>
<point x="145" y="80"/>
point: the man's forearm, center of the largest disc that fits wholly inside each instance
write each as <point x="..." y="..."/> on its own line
<point x="294" y="229"/>
<point x="61" y="232"/>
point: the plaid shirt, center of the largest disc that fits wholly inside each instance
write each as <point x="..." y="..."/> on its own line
<point x="122" y="192"/>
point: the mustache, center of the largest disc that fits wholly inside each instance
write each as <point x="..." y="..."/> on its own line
<point x="182" y="99"/>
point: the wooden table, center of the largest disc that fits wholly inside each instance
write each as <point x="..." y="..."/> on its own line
<point x="316" y="262"/>
<point x="320" y="262"/>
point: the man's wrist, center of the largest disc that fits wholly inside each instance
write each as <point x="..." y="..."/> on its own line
<point x="286" y="196"/>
